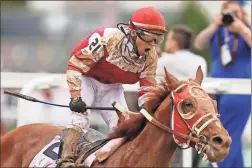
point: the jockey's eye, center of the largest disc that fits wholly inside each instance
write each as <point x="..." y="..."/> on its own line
<point x="150" y="37"/>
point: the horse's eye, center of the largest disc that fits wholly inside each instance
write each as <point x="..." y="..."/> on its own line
<point x="188" y="105"/>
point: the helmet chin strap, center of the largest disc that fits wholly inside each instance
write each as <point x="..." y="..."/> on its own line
<point x="132" y="37"/>
<point x="133" y="40"/>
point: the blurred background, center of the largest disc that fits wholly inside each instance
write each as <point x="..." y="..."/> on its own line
<point x="37" y="38"/>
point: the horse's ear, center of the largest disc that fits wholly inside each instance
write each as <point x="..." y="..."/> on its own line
<point x="171" y="80"/>
<point x="199" y="76"/>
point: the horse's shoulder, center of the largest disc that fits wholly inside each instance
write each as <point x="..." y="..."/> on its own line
<point x="41" y="125"/>
<point x="41" y="128"/>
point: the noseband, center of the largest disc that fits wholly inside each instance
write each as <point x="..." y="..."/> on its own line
<point x="194" y="132"/>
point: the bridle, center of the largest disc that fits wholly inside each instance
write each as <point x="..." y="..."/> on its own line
<point x="194" y="132"/>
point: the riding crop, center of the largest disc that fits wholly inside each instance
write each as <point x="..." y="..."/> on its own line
<point x="32" y="99"/>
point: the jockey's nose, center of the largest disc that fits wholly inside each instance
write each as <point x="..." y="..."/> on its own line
<point x="152" y="43"/>
<point x="220" y="141"/>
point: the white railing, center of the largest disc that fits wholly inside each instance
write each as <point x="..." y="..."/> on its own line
<point x="35" y="81"/>
<point x="211" y="85"/>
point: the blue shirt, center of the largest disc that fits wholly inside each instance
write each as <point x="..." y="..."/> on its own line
<point x="234" y="109"/>
<point x="241" y="67"/>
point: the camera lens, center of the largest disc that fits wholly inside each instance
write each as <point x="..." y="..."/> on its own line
<point x="227" y="19"/>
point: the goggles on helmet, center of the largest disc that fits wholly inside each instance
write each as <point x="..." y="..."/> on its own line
<point x="147" y="35"/>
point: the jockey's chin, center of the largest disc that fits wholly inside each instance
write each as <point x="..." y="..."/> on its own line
<point x="216" y="154"/>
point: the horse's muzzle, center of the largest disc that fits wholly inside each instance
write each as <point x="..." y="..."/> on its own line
<point x="221" y="141"/>
<point x="219" y="147"/>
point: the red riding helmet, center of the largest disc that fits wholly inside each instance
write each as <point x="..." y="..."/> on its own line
<point x="148" y="18"/>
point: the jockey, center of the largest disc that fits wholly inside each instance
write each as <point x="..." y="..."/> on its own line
<point x="102" y="62"/>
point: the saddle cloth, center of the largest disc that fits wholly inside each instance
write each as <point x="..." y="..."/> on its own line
<point x="48" y="156"/>
<point x="91" y="143"/>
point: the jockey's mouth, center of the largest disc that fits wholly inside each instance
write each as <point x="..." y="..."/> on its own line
<point x="146" y="51"/>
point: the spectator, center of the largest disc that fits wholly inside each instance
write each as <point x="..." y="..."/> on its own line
<point x="177" y="58"/>
<point x="231" y="58"/>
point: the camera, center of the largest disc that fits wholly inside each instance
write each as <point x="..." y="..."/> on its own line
<point x="228" y="17"/>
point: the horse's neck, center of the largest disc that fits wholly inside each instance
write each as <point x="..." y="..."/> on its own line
<point x="153" y="146"/>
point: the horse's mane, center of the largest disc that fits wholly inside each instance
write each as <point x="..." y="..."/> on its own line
<point x="153" y="97"/>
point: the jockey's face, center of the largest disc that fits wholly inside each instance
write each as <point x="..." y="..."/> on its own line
<point x="147" y="41"/>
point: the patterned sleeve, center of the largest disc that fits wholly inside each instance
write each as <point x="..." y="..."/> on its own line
<point x="148" y="75"/>
<point x="84" y="56"/>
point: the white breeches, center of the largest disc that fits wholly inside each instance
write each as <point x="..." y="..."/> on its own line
<point x="97" y="94"/>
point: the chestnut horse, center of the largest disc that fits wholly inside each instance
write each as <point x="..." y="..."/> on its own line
<point x="176" y="114"/>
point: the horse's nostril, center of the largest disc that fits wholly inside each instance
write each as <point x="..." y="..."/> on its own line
<point x="217" y="140"/>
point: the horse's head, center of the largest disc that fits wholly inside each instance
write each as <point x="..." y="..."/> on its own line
<point x="189" y="110"/>
<point x="195" y="114"/>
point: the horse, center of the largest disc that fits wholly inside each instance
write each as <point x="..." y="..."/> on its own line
<point x="174" y="114"/>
